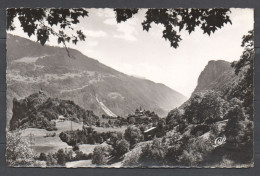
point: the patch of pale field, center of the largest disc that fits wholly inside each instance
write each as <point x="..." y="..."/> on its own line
<point x="40" y="143"/>
<point x="80" y="163"/>
<point x="67" y="125"/>
<point x="89" y="148"/>
<point x="101" y="129"/>
<point x="88" y="163"/>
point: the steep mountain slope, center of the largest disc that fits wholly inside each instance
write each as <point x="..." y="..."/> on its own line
<point x="87" y="82"/>
<point x="214" y="76"/>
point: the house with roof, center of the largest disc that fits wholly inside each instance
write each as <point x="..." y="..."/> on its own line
<point x="150" y="133"/>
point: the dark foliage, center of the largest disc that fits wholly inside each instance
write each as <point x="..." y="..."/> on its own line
<point x="199" y="130"/>
<point x="42" y="157"/>
<point x="61" y="157"/>
<point x="114" y="137"/>
<point x="120" y="148"/>
<point x="99" y="157"/>
<point x="244" y="89"/>
<point x="174" y="118"/>
<point x="75" y="148"/>
<point x="37" y="111"/>
<point x="40" y="22"/>
<point x="133" y="135"/>
<point x="82" y="156"/>
<point x="161" y="128"/>
<point x="154" y="154"/>
<point x="208" y="108"/>
<point x="89" y="136"/>
<point x="209" y="20"/>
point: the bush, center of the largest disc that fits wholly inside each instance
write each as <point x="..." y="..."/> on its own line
<point x="18" y="150"/>
<point x="174" y="118"/>
<point x="99" y="157"/>
<point x="61" y="157"/>
<point x="239" y="133"/>
<point x="132" y="158"/>
<point x="154" y="154"/>
<point x="50" y="160"/>
<point x="75" y="148"/>
<point x="114" y="137"/>
<point x="173" y="153"/>
<point x="181" y="128"/>
<point x="121" y="147"/>
<point x="82" y="156"/>
<point x="68" y="137"/>
<point x="133" y="135"/>
<point x="42" y="157"/>
<point x="160" y="129"/>
<point x="195" y="151"/>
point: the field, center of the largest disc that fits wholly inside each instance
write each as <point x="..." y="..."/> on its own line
<point x="101" y="129"/>
<point x="41" y="143"/>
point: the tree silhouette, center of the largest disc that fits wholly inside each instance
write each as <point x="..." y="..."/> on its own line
<point x="41" y="21"/>
<point x="209" y="20"/>
<point x="244" y="90"/>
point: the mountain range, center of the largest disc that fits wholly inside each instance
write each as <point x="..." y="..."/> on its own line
<point x="89" y="83"/>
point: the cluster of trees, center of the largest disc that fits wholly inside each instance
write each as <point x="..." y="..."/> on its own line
<point x="120" y="144"/>
<point x="118" y="123"/>
<point x="225" y="113"/>
<point x="201" y="114"/>
<point x="18" y="150"/>
<point x="172" y="150"/>
<point x="133" y="135"/>
<point x="86" y="136"/>
<point x="42" y="122"/>
<point x="207" y="107"/>
<point x="35" y="120"/>
<point x="100" y="155"/>
<point x="63" y="156"/>
<point x="38" y="111"/>
<point x="239" y="129"/>
<point x="117" y="148"/>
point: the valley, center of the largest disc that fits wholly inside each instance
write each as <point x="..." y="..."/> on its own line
<point x="81" y="113"/>
<point x="32" y="67"/>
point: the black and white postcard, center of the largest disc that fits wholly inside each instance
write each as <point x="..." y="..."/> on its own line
<point x="139" y="87"/>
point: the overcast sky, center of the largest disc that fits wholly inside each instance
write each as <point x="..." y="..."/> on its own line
<point x="129" y="49"/>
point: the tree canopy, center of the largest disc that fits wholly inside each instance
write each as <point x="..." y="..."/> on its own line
<point x="209" y="20"/>
<point x="41" y="21"/>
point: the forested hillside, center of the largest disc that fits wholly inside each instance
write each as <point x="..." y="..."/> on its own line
<point x="86" y="81"/>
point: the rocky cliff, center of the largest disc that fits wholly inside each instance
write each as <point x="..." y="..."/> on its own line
<point x="214" y="75"/>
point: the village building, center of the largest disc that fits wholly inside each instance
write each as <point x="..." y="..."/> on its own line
<point x="41" y="91"/>
<point x="150" y="133"/>
<point x="139" y="112"/>
<point x="61" y="118"/>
